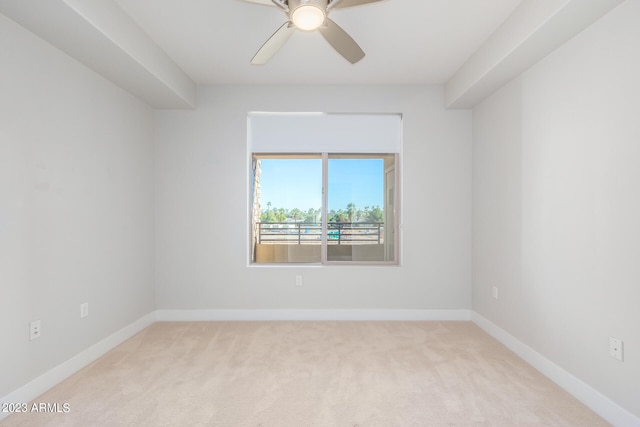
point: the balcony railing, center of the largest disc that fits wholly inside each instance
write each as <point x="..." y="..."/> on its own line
<point x="340" y="233"/>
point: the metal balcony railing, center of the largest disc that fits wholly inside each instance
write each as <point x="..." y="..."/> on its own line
<point x="340" y="233"/>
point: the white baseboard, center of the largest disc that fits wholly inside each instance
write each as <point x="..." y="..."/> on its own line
<point x="44" y="382"/>
<point x="294" y="314"/>
<point x="592" y="398"/>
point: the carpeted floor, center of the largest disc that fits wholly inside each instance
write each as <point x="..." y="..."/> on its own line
<point x="306" y="374"/>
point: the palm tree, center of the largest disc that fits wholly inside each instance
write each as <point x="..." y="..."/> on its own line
<point x="295" y="214"/>
<point x="351" y="211"/>
<point x="312" y="215"/>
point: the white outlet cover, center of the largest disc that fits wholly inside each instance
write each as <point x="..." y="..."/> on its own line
<point x="35" y="329"/>
<point x="616" y="348"/>
<point x="84" y="310"/>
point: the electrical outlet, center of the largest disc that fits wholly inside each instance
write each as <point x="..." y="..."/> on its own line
<point x="494" y="292"/>
<point x="298" y="280"/>
<point x="84" y="310"/>
<point x="616" y="348"/>
<point x="35" y="330"/>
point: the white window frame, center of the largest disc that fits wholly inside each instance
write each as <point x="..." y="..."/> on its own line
<point x="324" y="251"/>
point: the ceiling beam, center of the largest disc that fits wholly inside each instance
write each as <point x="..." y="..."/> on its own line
<point x="535" y="29"/>
<point x="100" y="35"/>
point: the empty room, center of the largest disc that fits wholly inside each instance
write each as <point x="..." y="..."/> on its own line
<point x="274" y="213"/>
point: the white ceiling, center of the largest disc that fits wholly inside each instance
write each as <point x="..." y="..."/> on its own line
<point x="160" y="50"/>
<point x="406" y="41"/>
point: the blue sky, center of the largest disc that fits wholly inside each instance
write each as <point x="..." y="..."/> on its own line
<point x="298" y="183"/>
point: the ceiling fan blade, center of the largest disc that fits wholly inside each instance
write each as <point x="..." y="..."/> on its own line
<point x="341" y="41"/>
<point x="263" y="2"/>
<point x="349" y="3"/>
<point x="279" y="3"/>
<point x="273" y="45"/>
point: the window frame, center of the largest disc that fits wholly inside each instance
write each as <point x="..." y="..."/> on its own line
<point x="324" y="251"/>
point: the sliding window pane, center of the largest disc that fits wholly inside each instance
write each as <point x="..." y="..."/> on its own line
<point x="360" y="207"/>
<point x="286" y="211"/>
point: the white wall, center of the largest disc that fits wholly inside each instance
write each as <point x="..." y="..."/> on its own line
<point x="201" y="205"/>
<point x="76" y="206"/>
<point x="556" y="206"/>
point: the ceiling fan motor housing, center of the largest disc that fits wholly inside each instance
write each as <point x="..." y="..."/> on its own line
<point x="308" y="14"/>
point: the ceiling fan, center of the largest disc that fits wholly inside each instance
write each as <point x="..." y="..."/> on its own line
<point x="310" y="15"/>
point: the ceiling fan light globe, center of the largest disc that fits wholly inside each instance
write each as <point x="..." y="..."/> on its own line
<point x="308" y="17"/>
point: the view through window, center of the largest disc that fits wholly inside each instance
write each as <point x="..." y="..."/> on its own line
<point x="295" y="221"/>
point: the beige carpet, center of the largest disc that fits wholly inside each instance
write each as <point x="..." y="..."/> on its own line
<point x="305" y="374"/>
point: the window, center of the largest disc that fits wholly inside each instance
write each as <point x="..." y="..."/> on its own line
<point x="287" y="208"/>
<point x="295" y="221"/>
<point x="360" y="206"/>
<point x="336" y="205"/>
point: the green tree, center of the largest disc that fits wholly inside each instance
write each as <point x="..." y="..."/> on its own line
<point x="270" y="215"/>
<point x="375" y="214"/>
<point x="295" y="214"/>
<point x="339" y="216"/>
<point x="312" y="215"/>
<point x="266" y="216"/>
